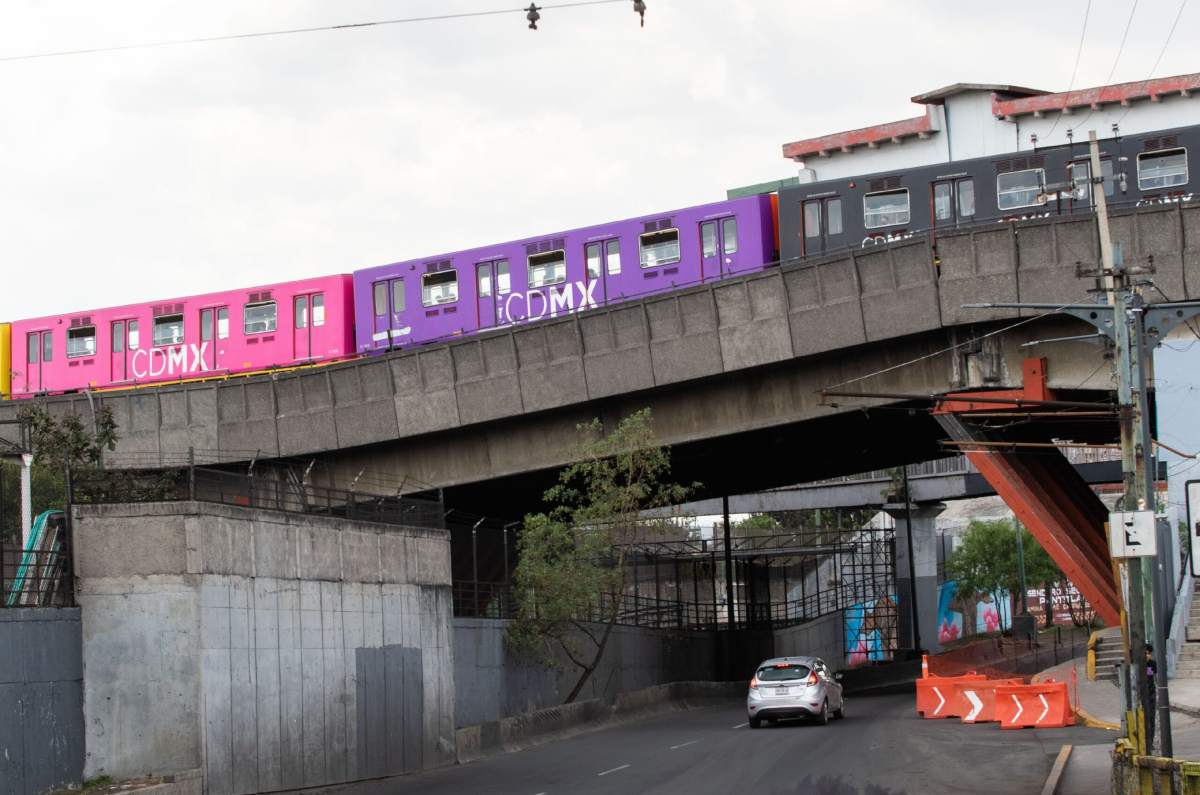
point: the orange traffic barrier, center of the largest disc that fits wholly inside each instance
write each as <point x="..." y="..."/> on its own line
<point x="933" y="693"/>
<point x="1044" y="705"/>
<point x="975" y="702"/>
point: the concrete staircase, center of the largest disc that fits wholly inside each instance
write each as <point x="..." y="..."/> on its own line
<point x="1108" y="653"/>
<point x="1187" y="665"/>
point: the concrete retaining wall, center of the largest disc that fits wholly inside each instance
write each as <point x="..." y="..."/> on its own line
<point x="822" y="637"/>
<point x="41" y="698"/>
<point x="267" y="650"/>
<point x="490" y="685"/>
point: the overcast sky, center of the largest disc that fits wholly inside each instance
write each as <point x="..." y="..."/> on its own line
<point x="157" y="173"/>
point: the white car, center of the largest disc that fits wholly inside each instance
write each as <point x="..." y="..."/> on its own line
<point x="794" y="687"/>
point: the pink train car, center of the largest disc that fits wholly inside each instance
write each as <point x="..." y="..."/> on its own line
<point x="236" y="331"/>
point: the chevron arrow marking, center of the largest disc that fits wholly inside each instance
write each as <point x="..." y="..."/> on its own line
<point x="976" y="705"/>
<point x="941" y="701"/>
<point x="1020" y="709"/>
<point x="1045" y="709"/>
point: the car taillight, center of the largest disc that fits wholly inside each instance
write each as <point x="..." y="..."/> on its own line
<point x="812" y="679"/>
<point x="754" y="683"/>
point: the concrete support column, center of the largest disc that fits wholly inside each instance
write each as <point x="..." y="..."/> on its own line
<point x="26" y="499"/>
<point x="924" y="568"/>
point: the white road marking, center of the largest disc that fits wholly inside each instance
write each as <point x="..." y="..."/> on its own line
<point x="684" y="745"/>
<point x="740" y="725"/>
<point x="1020" y="709"/>
<point x="976" y="705"/>
<point x="1045" y="709"/>
<point x="614" y="770"/>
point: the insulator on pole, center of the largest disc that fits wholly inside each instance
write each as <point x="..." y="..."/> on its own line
<point x="533" y="16"/>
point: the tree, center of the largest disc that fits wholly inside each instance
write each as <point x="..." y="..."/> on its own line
<point x="56" y="441"/>
<point x="756" y="524"/>
<point x="571" y="566"/>
<point x="986" y="563"/>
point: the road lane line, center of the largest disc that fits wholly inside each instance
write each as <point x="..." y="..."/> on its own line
<point x="740" y="725"/>
<point x="614" y="770"/>
<point x="684" y="745"/>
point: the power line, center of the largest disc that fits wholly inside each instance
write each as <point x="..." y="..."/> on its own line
<point x="294" y="31"/>
<point x="1161" y="53"/>
<point x="1075" y="69"/>
<point x="1121" y="48"/>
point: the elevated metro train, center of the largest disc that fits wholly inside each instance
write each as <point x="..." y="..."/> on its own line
<point x="414" y="302"/>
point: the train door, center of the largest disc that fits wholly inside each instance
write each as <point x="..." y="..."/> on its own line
<point x="389" y="302"/>
<point x="301" y="329"/>
<point x="601" y="256"/>
<point x="214" y="326"/>
<point x="485" y="294"/>
<point x="821" y="228"/>
<point x="40" y="350"/>
<point x="119" y="362"/>
<point x="718" y="248"/>
<point x="953" y="202"/>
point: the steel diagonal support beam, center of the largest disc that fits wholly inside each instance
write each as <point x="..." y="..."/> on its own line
<point x="1068" y="536"/>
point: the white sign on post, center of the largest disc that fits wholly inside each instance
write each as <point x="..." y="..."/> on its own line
<point x="1132" y="534"/>
<point x="1192" y="490"/>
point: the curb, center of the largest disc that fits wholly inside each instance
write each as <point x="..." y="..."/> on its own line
<point x="1085" y="717"/>
<point x="1054" y="780"/>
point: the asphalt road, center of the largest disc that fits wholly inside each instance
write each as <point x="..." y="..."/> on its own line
<point x="880" y="748"/>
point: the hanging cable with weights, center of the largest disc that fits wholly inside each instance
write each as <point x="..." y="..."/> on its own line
<point x="533" y="16"/>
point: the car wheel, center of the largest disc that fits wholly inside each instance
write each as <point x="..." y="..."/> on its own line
<point x="755" y="723"/>
<point x="840" y="712"/>
<point x="822" y="717"/>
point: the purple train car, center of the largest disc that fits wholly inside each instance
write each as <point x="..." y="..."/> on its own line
<point x="409" y="303"/>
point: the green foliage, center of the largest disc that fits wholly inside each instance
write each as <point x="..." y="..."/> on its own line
<point x="56" y="440"/>
<point x="573" y="556"/>
<point x="756" y="524"/>
<point x="986" y="560"/>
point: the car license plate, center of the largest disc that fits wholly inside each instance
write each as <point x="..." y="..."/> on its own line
<point x="781" y="691"/>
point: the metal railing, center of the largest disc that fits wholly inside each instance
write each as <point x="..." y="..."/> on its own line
<point x="35" y="578"/>
<point x="266" y="490"/>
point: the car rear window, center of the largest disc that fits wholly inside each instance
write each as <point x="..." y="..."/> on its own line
<point x="775" y="673"/>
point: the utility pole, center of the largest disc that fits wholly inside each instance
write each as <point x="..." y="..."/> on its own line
<point x="912" y="566"/>
<point x="1137" y="473"/>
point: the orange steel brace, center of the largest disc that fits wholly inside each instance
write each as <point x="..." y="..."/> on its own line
<point x="1062" y="528"/>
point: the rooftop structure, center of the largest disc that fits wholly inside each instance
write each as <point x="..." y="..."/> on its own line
<point x="968" y="120"/>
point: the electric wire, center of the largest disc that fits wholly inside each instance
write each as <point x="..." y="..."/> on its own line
<point x="1120" y="50"/>
<point x="1161" y="52"/>
<point x="1075" y="69"/>
<point x="294" y="31"/>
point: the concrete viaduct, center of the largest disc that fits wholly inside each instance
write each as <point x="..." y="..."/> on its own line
<point x="732" y="371"/>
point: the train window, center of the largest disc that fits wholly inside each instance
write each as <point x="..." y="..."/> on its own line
<point x="47" y="346"/>
<point x="729" y="234"/>
<point x="118" y="337"/>
<point x="379" y="291"/>
<point x="812" y="219"/>
<point x="484" y="274"/>
<point x="318" y="309"/>
<point x="592" y="255"/>
<point x="1106" y="172"/>
<point x="503" y="280"/>
<point x="1079" y="174"/>
<point x="222" y="324"/>
<point x="399" y="300"/>
<point x="439" y="288"/>
<point x="206" y="325"/>
<point x="708" y="239"/>
<point x="1163" y="169"/>
<point x="33" y="348"/>
<point x="612" y="250"/>
<point x="1020" y="189"/>
<point x="258" y="318"/>
<point x="301" y="311"/>
<point x="966" y="198"/>
<point x="943" y="201"/>
<point x="168" y="330"/>
<point x="134" y="337"/>
<point x="886" y="208"/>
<point x="660" y="248"/>
<point x="833" y="216"/>
<point x="548" y="268"/>
<point x="81" y="342"/>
